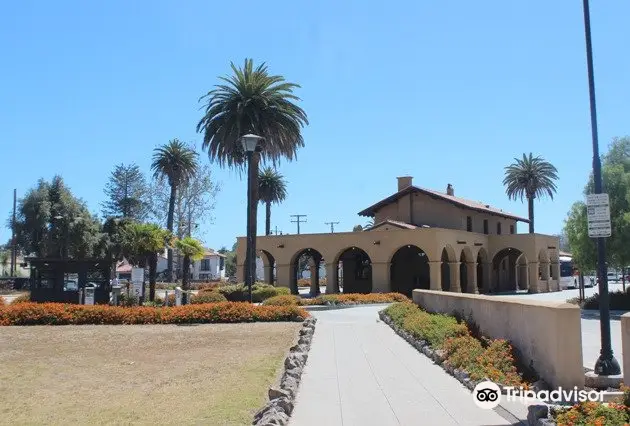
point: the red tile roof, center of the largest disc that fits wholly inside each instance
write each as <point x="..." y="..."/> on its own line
<point x="460" y="202"/>
<point x="396" y="223"/>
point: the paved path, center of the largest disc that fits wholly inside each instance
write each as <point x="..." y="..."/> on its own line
<point x="359" y="372"/>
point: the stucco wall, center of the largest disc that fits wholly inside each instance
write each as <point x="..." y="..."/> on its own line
<point x="421" y="209"/>
<point x="547" y="334"/>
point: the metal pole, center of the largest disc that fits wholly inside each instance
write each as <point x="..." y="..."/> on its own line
<point x="249" y="255"/>
<point x="13" y="247"/>
<point x="606" y="364"/>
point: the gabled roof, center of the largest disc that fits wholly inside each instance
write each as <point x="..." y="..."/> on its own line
<point x="396" y="223"/>
<point x="211" y="252"/>
<point x="457" y="201"/>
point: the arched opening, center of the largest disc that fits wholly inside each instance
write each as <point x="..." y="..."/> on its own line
<point x="266" y="267"/>
<point x="409" y="269"/>
<point x="504" y="267"/>
<point x="466" y="262"/>
<point x="354" y="271"/>
<point x="445" y="271"/>
<point x="482" y="260"/>
<point x="306" y="268"/>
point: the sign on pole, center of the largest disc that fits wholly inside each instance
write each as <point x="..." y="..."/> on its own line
<point x="598" y="214"/>
<point x="137" y="278"/>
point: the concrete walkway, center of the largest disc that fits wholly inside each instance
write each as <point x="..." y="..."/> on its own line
<point x="359" y="372"/>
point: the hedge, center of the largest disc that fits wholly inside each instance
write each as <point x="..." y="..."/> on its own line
<point x="481" y="358"/>
<point x="223" y="312"/>
<point x="207" y="297"/>
<point x="338" y="299"/>
<point x="239" y="292"/>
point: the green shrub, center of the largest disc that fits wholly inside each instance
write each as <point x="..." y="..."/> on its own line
<point x="128" y="300"/>
<point x="435" y="329"/>
<point x="618" y="301"/>
<point x="399" y="311"/>
<point x="463" y="351"/>
<point x="260" y="292"/>
<point x="208" y="297"/>
<point x="283" y="300"/>
<point x="24" y="298"/>
<point x="593" y="413"/>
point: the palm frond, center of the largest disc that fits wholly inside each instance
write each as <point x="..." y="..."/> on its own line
<point x="530" y="177"/>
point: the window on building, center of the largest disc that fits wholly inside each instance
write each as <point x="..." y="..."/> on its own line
<point x="485" y="226"/>
<point x="469" y="224"/>
<point x="498" y="228"/>
<point x="511" y="229"/>
<point x="205" y="264"/>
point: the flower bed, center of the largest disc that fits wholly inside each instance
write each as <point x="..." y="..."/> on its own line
<point x="337" y="299"/>
<point x="593" y="413"/>
<point x="240" y="293"/>
<point x="453" y="344"/>
<point x="224" y="312"/>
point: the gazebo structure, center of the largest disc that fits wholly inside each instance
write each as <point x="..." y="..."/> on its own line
<point x="65" y="280"/>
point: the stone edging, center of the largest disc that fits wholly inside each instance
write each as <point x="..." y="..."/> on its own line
<point x="537" y="414"/>
<point x="281" y="399"/>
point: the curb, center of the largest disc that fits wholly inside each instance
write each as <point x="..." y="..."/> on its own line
<point x="282" y="399"/>
<point x="537" y="414"/>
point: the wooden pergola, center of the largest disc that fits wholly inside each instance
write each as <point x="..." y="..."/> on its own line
<point x="64" y="280"/>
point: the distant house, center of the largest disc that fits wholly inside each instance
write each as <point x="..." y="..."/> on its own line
<point x="211" y="267"/>
<point x="123" y="269"/>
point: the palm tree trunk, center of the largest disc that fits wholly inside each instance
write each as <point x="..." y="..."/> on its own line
<point x="185" y="278"/>
<point x="268" y="218"/>
<point x="530" y="208"/>
<point x="253" y="171"/>
<point x="169" y="226"/>
<point x="152" y="275"/>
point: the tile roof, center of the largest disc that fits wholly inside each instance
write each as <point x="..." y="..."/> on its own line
<point x="460" y="202"/>
<point x="396" y="223"/>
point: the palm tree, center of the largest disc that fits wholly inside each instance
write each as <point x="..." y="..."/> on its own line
<point x="141" y="243"/>
<point x="176" y="162"/>
<point x="530" y="177"/>
<point x="272" y="188"/>
<point x="192" y="250"/>
<point x="252" y="100"/>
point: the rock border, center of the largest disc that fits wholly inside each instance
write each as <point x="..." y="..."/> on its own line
<point x="278" y="410"/>
<point x="537" y="414"/>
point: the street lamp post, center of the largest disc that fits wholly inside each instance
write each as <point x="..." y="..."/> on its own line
<point x="250" y="142"/>
<point x="606" y="364"/>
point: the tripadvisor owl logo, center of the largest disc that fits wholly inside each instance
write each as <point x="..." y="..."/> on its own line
<point x="487" y="395"/>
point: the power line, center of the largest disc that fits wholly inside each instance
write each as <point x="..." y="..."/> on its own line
<point x="332" y="226"/>
<point x="298" y="220"/>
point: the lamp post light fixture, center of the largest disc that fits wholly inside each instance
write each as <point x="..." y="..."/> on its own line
<point x="250" y="143"/>
<point x="606" y="364"/>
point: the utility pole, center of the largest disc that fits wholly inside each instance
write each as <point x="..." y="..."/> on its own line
<point x="298" y="220"/>
<point x="277" y="232"/>
<point x="606" y="364"/>
<point x="13" y="247"/>
<point x="332" y="226"/>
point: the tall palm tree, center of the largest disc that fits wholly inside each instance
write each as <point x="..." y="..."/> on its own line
<point x="272" y="188"/>
<point x="192" y="250"/>
<point x="252" y="100"/>
<point x="176" y="162"/>
<point x="530" y="177"/>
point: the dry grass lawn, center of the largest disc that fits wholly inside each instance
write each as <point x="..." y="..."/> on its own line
<point x="215" y="374"/>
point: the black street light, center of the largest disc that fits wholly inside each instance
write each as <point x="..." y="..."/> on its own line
<point x="606" y="364"/>
<point x="250" y="143"/>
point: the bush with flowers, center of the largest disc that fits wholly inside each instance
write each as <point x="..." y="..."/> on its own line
<point x="593" y="413"/>
<point x="222" y="312"/>
<point x="337" y="299"/>
<point x="481" y="358"/>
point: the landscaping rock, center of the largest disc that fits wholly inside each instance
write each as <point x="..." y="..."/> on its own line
<point x="536" y="413"/>
<point x="281" y="401"/>
<point x="279" y="393"/>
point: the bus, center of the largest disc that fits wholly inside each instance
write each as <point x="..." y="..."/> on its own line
<point x="570" y="275"/>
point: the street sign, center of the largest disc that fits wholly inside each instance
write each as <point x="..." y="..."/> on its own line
<point x="598" y="215"/>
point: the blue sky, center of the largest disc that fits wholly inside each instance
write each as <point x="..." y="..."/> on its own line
<point x="448" y="92"/>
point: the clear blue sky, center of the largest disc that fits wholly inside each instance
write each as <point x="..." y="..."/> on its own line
<point x="448" y="92"/>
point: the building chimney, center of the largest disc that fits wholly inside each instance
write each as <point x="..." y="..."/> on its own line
<point x="404" y="182"/>
<point x="450" y="191"/>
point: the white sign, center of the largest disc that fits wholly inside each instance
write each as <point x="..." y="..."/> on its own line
<point x="137" y="289"/>
<point x="137" y="274"/>
<point x="598" y="214"/>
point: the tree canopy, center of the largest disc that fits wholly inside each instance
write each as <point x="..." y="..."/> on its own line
<point x="616" y="182"/>
<point x="51" y="222"/>
<point x="126" y="193"/>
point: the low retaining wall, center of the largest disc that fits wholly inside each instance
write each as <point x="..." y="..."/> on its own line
<point x="548" y="335"/>
<point x="625" y="346"/>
